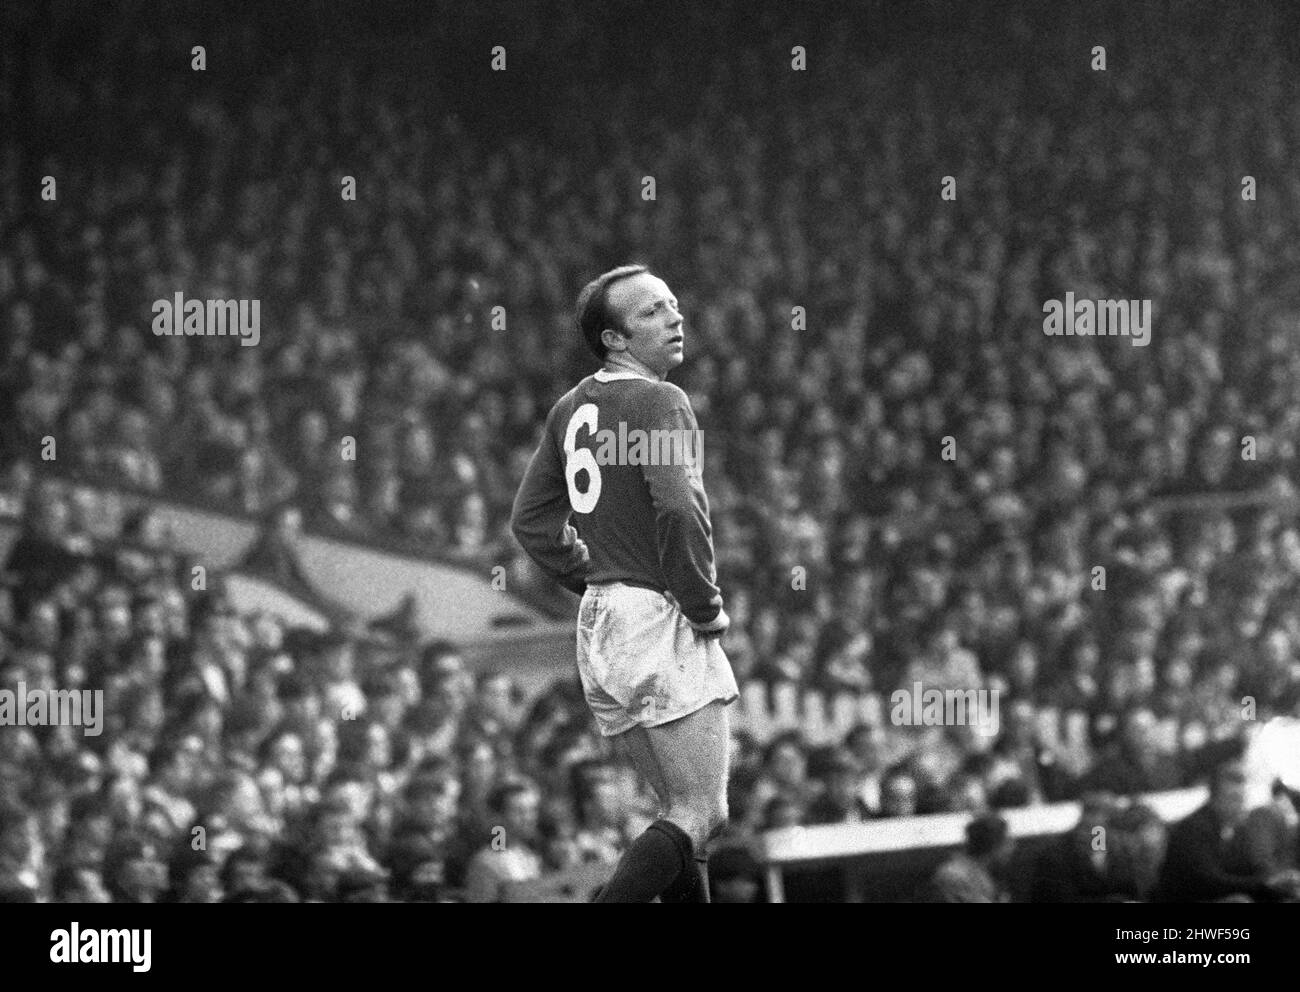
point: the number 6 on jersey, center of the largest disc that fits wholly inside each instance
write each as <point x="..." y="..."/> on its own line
<point x="579" y="459"/>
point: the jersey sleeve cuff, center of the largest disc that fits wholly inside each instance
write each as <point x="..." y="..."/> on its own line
<point x="714" y="626"/>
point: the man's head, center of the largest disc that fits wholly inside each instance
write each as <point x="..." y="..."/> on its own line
<point x="840" y="778"/>
<point x="988" y="840"/>
<point x="596" y="791"/>
<point x="898" y="793"/>
<point x="432" y="799"/>
<point x="631" y="312"/>
<point x="516" y="806"/>
<point x="785" y="760"/>
<point x="495" y="696"/>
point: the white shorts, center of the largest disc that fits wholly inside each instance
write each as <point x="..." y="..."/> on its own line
<point x="641" y="662"/>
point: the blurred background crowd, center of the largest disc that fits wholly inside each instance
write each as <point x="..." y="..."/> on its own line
<point x="366" y="765"/>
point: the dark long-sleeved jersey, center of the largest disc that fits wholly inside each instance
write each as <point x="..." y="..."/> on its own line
<point x="613" y="468"/>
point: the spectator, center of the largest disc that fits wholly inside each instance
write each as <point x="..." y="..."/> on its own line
<point x="921" y="323"/>
<point x="839" y="800"/>
<point x="510" y="856"/>
<point x="1079" y="866"/>
<point x="1271" y="836"/>
<point x="973" y="875"/>
<point x="1141" y="840"/>
<point x="898" y="793"/>
<point x="1134" y="764"/>
<point x="1207" y="860"/>
<point x="785" y="772"/>
<point x="865" y="743"/>
<point x="604" y="828"/>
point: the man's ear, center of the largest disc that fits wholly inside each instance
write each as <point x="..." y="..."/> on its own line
<point x="615" y="341"/>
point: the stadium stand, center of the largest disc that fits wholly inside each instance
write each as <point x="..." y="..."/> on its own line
<point x="355" y="763"/>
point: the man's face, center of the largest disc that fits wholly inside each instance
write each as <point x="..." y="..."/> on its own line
<point x="651" y="323"/>
<point x="289" y="758"/>
<point x="900" y="796"/>
<point x="970" y="795"/>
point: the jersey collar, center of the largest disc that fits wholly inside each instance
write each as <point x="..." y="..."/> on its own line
<point x="604" y="376"/>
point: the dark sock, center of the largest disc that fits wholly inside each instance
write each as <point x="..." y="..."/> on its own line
<point x="650" y="865"/>
<point x="692" y="885"/>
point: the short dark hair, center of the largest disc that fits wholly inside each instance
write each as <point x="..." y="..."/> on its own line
<point x="593" y="314"/>
<point x="985" y="834"/>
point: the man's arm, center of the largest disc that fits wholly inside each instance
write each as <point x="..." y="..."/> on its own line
<point x="682" y="529"/>
<point x="540" y="519"/>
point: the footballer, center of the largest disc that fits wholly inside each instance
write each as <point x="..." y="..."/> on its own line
<point x="635" y="541"/>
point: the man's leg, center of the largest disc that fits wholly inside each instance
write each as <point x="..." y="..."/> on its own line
<point x="689" y="759"/>
<point x="654" y="859"/>
<point x="692" y="883"/>
<point x="693" y="755"/>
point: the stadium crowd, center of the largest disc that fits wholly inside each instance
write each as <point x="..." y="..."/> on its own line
<point x="854" y="555"/>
